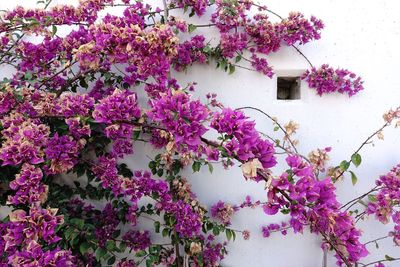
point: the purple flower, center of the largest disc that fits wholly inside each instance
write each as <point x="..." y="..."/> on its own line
<point x="106" y="224"/>
<point x="223" y="212"/>
<point x="233" y="44"/>
<point x="190" y="52"/>
<point x="261" y="65"/>
<point x="328" y="80"/>
<point x="63" y="152"/>
<point x="24" y="140"/>
<point x="7" y="102"/>
<point x="74" y="104"/>
<point x="271" y="209"/>
<point x="28" y="186"/>
<point x="182" y="117"/>
<point x="137" y="240"/>
<point x="245" y="142"/>
<point x="315" y="204"/>
<point x="121" y="106"/>
<point x="297" y="29"/>
<point x="188" y="222"/>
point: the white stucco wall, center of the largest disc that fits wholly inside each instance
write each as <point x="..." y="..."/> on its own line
<point x="363" y="36"/>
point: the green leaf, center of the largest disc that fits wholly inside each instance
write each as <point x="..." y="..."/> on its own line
<point x="77" y="222"/>
<point x="100" y="253"/>
<point x="210" y="167"/>
<point x="54" y="30"/>
<point x="122" y="247"/>
<point x="84" y="247"/>
<point x="207" y="49"/>
<point x="68" y="233"/>
<point x="238" y="58"/>
<point x="141" y="253"/>
<point x="344" y="165"/>
<point x="154" y="249"/>
<point x="372" y="198"/>
<point x="388" y="258"/>
<point x="28" y="75"/>
<point x="353" y="178"/>
<point x="228" y="234"/>
<point x="165" y="232"/>
<point x="191" y="28"/>
<point x="196" y="166"/>
<point x="157" y="225"/>
<point x="110" y="245"/>
<point x="136" y="135"/>
<point x="215" y="230"/>
<point x="231" y="68"/>
<point x="356" y="159"/>
<point x="111" y="260"/>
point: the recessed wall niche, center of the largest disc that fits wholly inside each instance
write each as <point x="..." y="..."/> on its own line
<point x="288" y="88"/>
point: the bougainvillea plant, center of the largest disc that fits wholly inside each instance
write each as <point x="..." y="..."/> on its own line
<point x="87" y="86"/>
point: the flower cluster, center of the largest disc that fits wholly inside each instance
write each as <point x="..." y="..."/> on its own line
<point x="182" y="117"/>
<point x="7" y="101"/>
<point x="188" y="222"/>
<point x="223" y="212"/>
<point x="274" y="227"/>
<point x="297" y="29"/>
<point x="121" y="106"/>
<point x="107" y="223"/>
<point x="327" y="80"/>
<point x="313" y="202"/>
<point x="384" y="204"/>
<point x="244" y="142"/>
<point x="120" y="134"/>
<point x="24" y="232"/>
<point x="34" y="255"/>
<point x="62" y="152"/>
<point x="28" y="186"/>
<point x="190" y="52"/>
<point x="261" y="65"/>
<point x="319" y="157"/>
<point x="198" y="6"/>
<point x="75" y="104"/>
<point x="232" y="44"/>
<point x="25" y="140"/>
<point x="230" y="14"/>
<point x="392" y="115"/>
<point x="61" y="114"/>
<point x="137" y="240"/>
<point x="294" y="29"/>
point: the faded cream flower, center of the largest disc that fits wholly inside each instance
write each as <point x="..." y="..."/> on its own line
<point x="186" y="158"/>
<point x="380" y="135"/>
<point x="195" y="248"/>
<point x="335" y="172"/>
<point x="291" y="127"/>
<point x="170" y="146"/>
<point x="319" y="158"/>
<point x="249" y="168"/>
<point x="391" y="115"/>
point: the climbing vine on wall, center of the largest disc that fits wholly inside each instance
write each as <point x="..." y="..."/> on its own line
<point x="87" y="86"/>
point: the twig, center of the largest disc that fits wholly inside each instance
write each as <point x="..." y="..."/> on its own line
<point x="275" y="121"/>
<point x="363" y="144"/>
<point x="375" y="262"/>
<point x="359" y="198"/>
<point x="377" y="239"/>
<point x="304" y="56"/>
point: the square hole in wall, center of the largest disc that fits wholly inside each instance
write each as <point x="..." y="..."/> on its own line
<point x="288" y="88"/>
